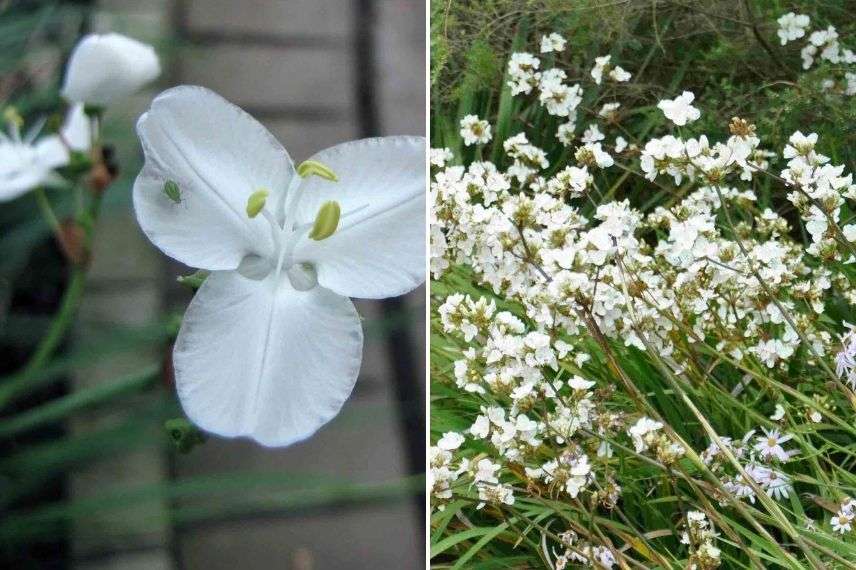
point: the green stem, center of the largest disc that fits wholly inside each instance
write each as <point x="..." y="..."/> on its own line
<point x="73" y="293"/>
<point x="61" y="322"/>
<point x="47" y="211"/>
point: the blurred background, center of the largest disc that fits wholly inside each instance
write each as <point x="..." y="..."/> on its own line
<point x="89" y="476"/>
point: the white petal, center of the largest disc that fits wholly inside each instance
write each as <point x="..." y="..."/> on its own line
<point x="23" y="167"/>
<point x="106" y="67"/>
<point x="218" y="155"/>
<point x="75" y="130"/>
<point x="380" y="251"/>
<point x="271" y="364"/>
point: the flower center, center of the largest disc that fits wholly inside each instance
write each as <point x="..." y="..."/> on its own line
<point x="286" y="232"/>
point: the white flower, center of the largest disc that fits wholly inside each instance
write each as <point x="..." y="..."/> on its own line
<point x="565" y="133"/>
<point x="771" y="351"/>
<point x="106" y="67"/>
<point x="640" y="429"/>
<point x="439" y="157"/>
<point x="600" y="64"/>
<point x="680" y="110"/>
<point x="578" y="383"/>
<point x="486" y="471"/>
<point x="779" y="413"/>
<point x="619" y="74"/>
<point x="553" y="42"/>
<point x="592" y="134"/>
<point x="481" y="427"/>
<point x="792" y="26"/>
<point x="608" y="110"/>
<point x="29" y="161"/>
<point x="769" y="445"/>
<point x="841" y="523"/>
<point x="475" y="130"/>
<point x="270" y="346"/>
<point x="450" y="440"/>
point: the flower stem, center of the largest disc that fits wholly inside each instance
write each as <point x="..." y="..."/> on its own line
<point x="74" y="291"/>
<point x="47" y="211"/>
<point x="61" y="322"/>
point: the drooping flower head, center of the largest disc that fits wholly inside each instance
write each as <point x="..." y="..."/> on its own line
<point x="270" y="346"/>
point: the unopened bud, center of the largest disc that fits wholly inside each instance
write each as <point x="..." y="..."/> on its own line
<point x="183" y="434"/>
<point x="326" y="221"/>
<point x="256" y="202"/>
<point x="13" y="117"/>
<point x="315" y="168"/>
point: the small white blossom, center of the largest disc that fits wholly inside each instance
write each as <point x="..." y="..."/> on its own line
<point x="680" y="110"/>
<point x="552" y="42"/>
<point x="475" y="130"/>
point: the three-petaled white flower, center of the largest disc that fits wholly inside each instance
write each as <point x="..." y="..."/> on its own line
<point x="106" y="67"/>
<point x="271" y="345"/>
<point x="680" y="110"/>
<point x="29" y="161"/>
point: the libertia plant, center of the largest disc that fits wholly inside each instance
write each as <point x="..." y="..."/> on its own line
<point x="642" y="350"/>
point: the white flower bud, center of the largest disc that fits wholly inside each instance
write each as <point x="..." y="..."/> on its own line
<point x="106" y="67"/>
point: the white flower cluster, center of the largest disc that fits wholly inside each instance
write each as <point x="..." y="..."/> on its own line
<point x="792" y="27"/>
<point x="563" y="264"/>
<point x="823" y="44"/>
<point x="577" y="551"/>
<point x="443" y="474"/>
<point x="759" y="463"/>
<point x="695" y="275"/>
<point x="845" y="360"/>
<point x="699" y="536"/>
<point x="556" y="96"/>
<point x="646" y="435"/>
<point x="552" y="43"/>
<point x="842" y="522"/>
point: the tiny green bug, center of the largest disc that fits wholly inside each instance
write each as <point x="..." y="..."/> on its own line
<point x="172" y="191"/>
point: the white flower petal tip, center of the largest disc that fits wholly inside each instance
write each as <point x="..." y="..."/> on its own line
<point x="378" y="249"/>
<point x="106" y="67"/>
<point x="261" y="360"/>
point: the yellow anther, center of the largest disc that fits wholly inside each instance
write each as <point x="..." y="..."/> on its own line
<point x="315" y="168"/>
<point x="256" y="202"/>
<point x="326" y="221"/>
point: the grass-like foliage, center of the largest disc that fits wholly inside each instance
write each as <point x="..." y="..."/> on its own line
<point x="643" y="273"/>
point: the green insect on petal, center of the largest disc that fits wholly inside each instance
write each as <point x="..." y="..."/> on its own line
<point x="172" y="191"/>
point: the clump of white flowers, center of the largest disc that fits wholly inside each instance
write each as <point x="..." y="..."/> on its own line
<point x="552" y="43"/>
<point x="554" y="282"/>
<point x="699" y="535"/>
<point x="792" y="27"/>
<point x="823" y="44"/>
